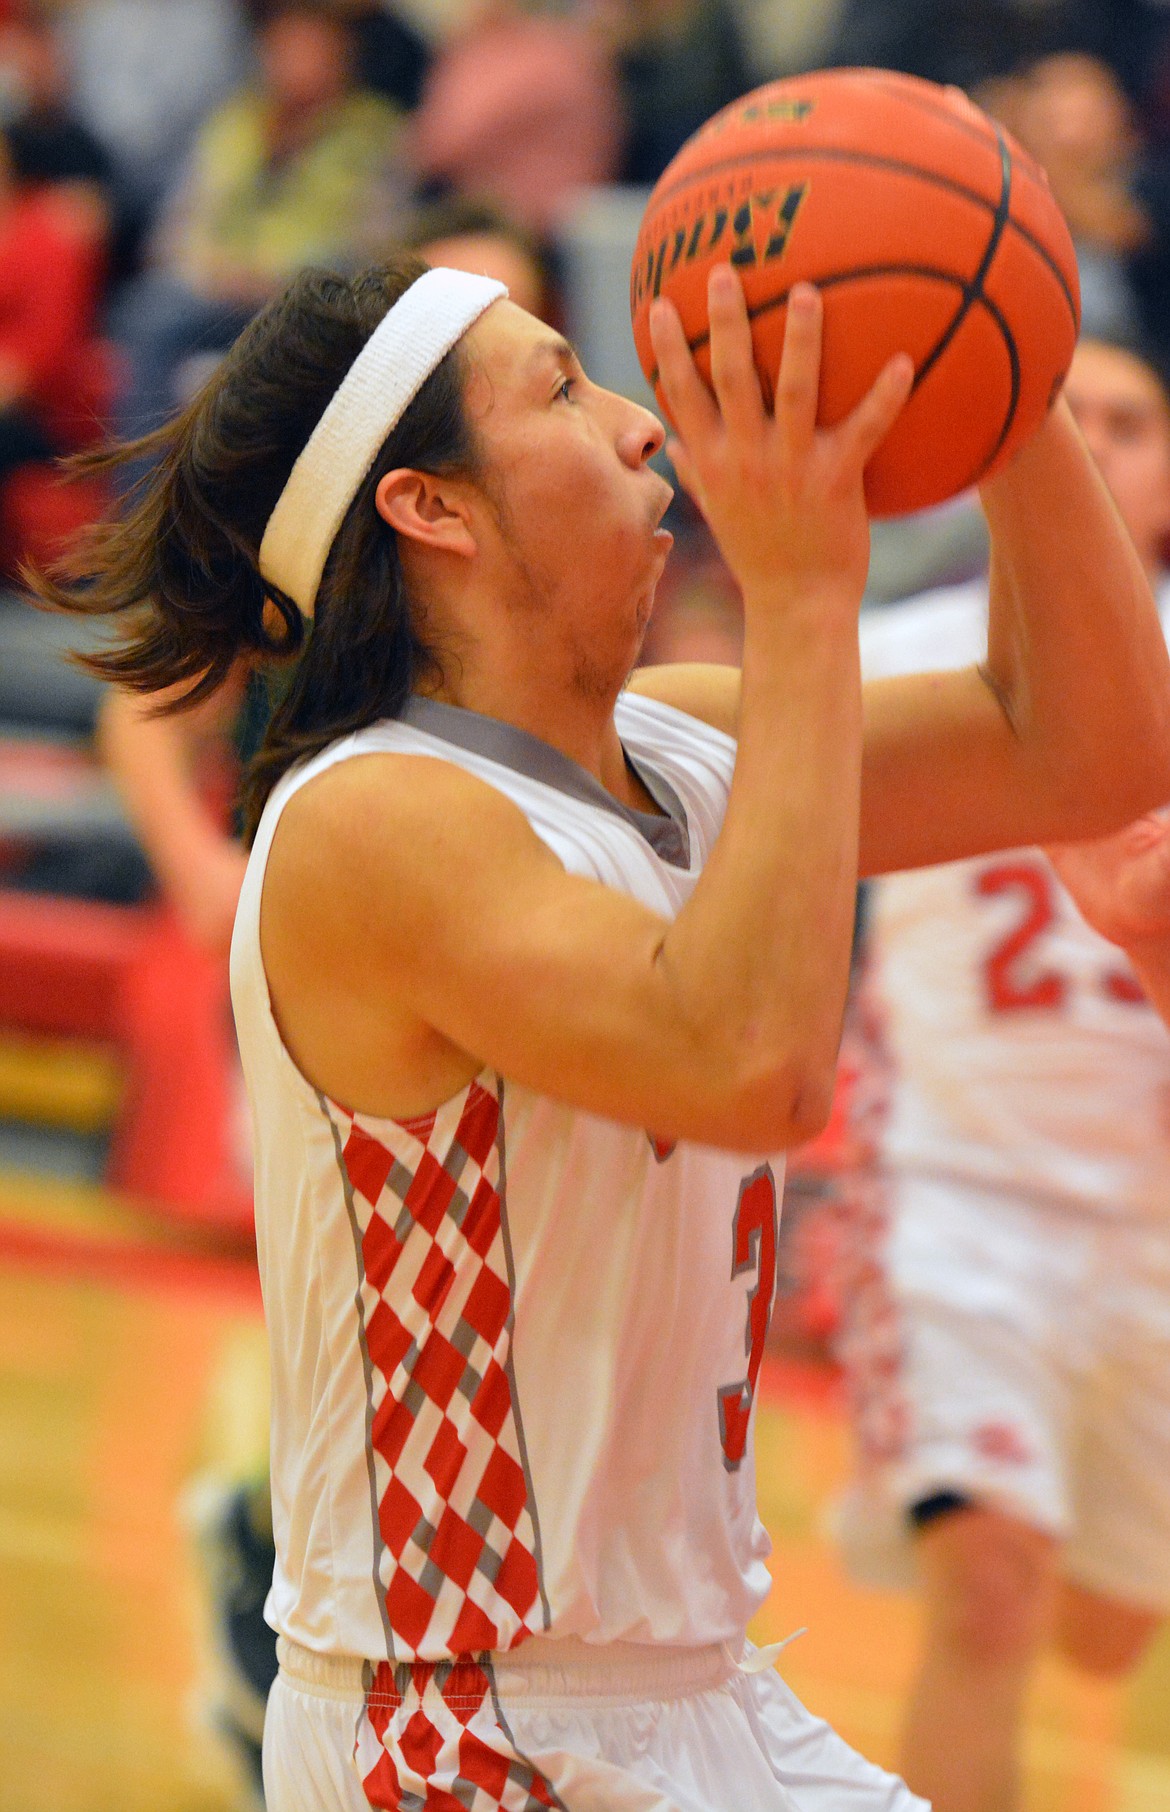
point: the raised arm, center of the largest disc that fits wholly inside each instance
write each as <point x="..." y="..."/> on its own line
<point x="1065" y="731"/>
<point x="154" y="762"/>
<point x="414" y="906"/>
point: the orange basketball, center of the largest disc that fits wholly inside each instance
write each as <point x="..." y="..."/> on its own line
<point x="927" y="229"/>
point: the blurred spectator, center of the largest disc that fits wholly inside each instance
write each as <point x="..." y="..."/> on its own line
<point x="178" y="776"/>
<point x="300" y="167"/>
<point x="53" y="370"/>
<point x="782" y="37"/>
<point x="679" y="61"/>
<point x="522" y="108"/>
<point x="393" y="54"/>
<point x="144" y="74"/>
<point x="469" y="235"/>
<point x="969" y="41"/>
<point x="47" y="141"/>
<point x="1096" y="112"/>
<point x="1072" y="113"/>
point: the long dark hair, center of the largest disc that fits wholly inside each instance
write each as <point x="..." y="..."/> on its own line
<point x="182" y="558"/>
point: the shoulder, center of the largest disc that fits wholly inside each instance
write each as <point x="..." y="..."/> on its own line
<point x="409" y="799"/>
<point x="379" y="836"/>
<point x="704" y="693"/>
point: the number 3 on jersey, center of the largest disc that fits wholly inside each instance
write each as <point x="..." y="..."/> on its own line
<point x="753" y="1248"/>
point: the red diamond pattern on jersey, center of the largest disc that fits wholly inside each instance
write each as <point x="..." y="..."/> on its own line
<point x="458" y="1564"/>
<point x="429" y="1738"/>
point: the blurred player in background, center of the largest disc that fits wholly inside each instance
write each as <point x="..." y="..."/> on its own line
<point x="1007" y="1333"/>
<point x="177" y="777"/>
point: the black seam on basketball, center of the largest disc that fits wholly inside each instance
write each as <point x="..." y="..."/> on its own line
<point x="1009" y="340"/>
<point x="1043" y="253"/>
<point x="832" y="154"/>
<point x="914" y="270"/>
<point x="832" y="281"/>
<point x="973" y="291"/>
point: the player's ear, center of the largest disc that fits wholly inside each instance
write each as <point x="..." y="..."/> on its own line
<point x="428" y="510"/>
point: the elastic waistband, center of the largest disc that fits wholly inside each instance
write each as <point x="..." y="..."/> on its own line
<point x="542" y="1668"/>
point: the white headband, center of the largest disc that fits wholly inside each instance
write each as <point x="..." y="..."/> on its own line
<point x="389" y="371"/>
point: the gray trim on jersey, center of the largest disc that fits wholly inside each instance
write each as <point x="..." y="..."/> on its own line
<point x="668" y="836"/>
<point x="367" y="1369"/>
<point x="510" y="1365"/>
<point x="488" y="1665"/>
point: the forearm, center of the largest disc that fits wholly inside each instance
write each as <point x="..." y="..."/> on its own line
<point x="146" y="756"/>
<point x="762" y="949"/>
<point x="1076" y="653"/>
<point x="193" y="858"/>
<point x="760" y="954"/>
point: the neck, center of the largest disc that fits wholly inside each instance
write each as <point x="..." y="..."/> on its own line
<point x="582" y="730"/>
<point x="515" y="666"/>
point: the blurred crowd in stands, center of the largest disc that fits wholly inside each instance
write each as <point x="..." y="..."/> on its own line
<point x="165" y="165"/>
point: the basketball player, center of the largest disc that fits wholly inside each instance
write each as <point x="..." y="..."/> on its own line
<point x="1008" y="1335"/>
<point x="536" y="978"/>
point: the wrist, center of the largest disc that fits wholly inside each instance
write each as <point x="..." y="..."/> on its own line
<point x="785" y="610"/>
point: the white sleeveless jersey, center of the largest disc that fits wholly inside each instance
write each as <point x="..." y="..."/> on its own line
<point x="514" y="1346"/>
<point x="1017" y="1048"/>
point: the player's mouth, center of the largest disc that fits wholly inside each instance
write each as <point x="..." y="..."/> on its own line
<point x="663" y="537"/>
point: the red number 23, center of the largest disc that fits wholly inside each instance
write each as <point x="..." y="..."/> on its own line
<point x="1013" y="976"/>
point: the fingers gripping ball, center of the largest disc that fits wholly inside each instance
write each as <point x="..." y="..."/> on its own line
<point x="927" y="230"/>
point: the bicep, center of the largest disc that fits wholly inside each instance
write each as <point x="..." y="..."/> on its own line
<point x="943" y="774"/>
<point x="461" y="921"/>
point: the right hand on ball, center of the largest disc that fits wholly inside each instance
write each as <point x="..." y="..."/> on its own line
<point x="783" y="498"/>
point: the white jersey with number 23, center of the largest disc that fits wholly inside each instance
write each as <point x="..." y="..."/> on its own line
<point x="1019" y="1051"/>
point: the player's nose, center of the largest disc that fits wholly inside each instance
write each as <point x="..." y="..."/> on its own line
<point x="641" y="434"/>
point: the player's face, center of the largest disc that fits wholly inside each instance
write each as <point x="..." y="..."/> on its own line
<point x="574" y="505"/>
<point x="1125" y="418"/>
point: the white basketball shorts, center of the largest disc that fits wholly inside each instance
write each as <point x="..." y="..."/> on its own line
<point x="558" y="1724"/>
<point x="1016" y="1354"/>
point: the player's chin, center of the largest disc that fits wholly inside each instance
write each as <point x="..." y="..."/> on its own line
<point x="652" y="560"/>
<point x="644" y="610"/>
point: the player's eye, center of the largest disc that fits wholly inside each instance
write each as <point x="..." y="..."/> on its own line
<point x="566" y="387"/>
